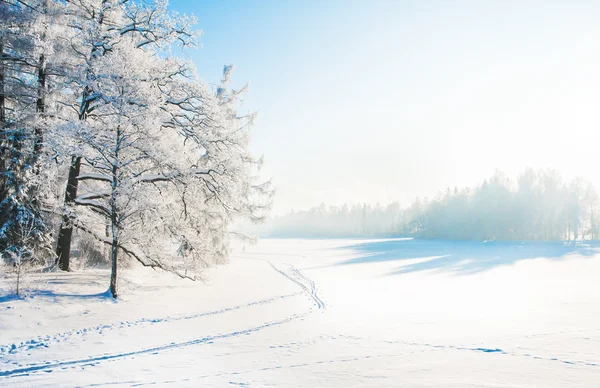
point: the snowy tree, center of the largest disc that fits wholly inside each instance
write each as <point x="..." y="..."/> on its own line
<point x="158" y="162"/>
<point x="100" y="26"/>
<point x="26" y="45"/>
<point x="164" y="162"/>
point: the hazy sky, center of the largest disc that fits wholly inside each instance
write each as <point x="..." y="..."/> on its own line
<point x="388" y="100"/>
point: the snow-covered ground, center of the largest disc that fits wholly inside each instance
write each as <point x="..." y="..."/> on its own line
<point x="320" y="313"/>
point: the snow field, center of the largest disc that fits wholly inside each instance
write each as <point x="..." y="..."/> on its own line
<point x="322" y="313"/>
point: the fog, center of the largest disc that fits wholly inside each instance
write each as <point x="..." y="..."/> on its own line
<point x="536" y="205"/>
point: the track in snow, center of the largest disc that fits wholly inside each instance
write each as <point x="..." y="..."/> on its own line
<point x="276" y="367"/>
<point x="490" y="350"/>
<point x="46" y="341"/>
<point x="313" y="286"/>
<point x="25" y="370"/>
<point x="305" y="283"/>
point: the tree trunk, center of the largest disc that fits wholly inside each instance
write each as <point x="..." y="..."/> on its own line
<point x="3" y="140"/>
<point x="40" y="107"/>
<point x="2" y="87"/>
<point x="63" y="248"/>
<point x="114" y="220"/>
<point x="114" y="257"/>
<point x="38" y="131"/>
<point x="18" y="278"/>
<point x="107" y="250"/>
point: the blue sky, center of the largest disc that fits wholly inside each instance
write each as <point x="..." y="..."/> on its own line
<point x="384" y="100"/>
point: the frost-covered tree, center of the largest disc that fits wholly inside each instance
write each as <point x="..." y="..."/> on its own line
<point x="26" y="46"/>
<point x="157" y="161"/>
<point x="164" y="162"/>
<point x="156" y="154"/>
<point x="100" y="26"/>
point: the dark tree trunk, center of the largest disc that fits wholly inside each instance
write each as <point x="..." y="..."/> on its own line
<point x="113" y="272"/>
<point x="38" y="142"/>
<point x="63" y="248"/>
<point x="114" y="221"/>
<point x="38" y="132"/>
<point x="5" y="148"/>
<point x="3" y="139"/>
<point x="2" y="87"/>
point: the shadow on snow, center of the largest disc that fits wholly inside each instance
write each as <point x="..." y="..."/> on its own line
<point x="54" y="295"/>
<point x="462" y="257"/>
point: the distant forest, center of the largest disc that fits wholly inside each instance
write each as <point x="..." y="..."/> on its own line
<point x="539" y="205"/>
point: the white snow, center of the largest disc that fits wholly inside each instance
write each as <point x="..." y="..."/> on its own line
<point x="319" y="313"/>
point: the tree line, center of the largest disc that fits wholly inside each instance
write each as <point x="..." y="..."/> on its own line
<point x="538" y="205"/>
<point x="104" y="130"/>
